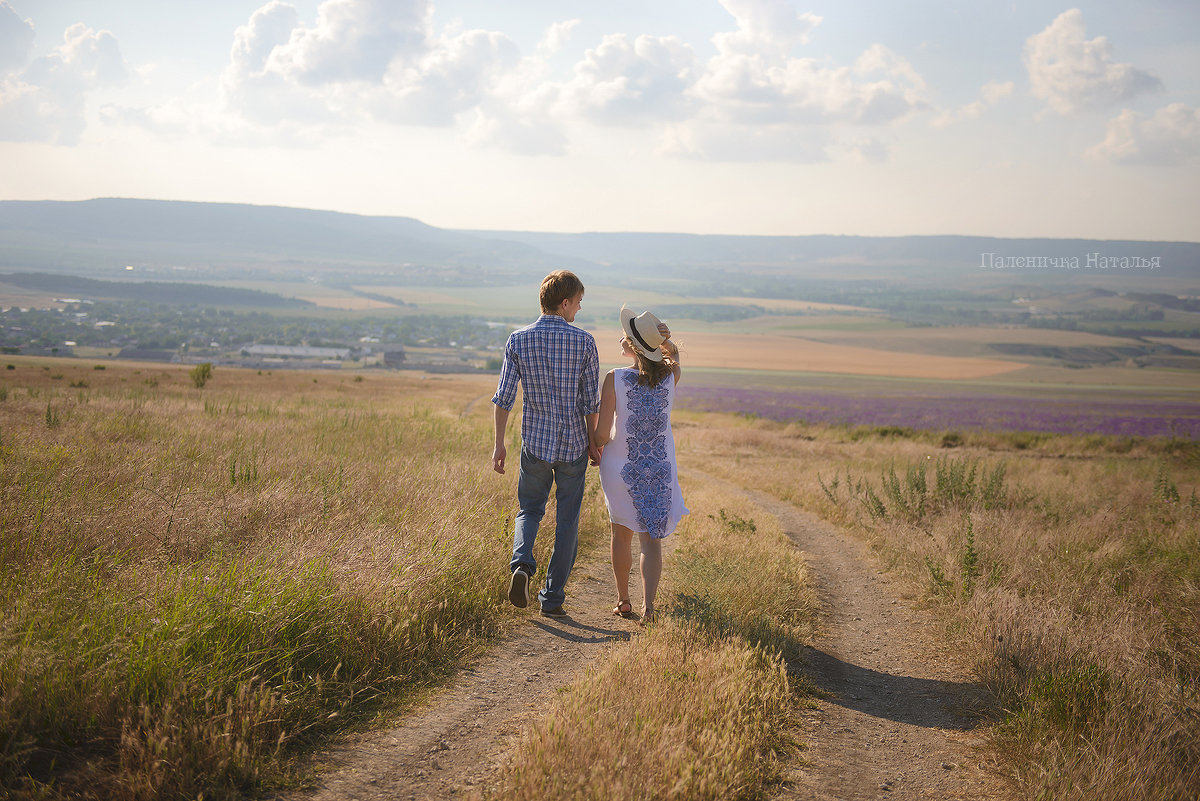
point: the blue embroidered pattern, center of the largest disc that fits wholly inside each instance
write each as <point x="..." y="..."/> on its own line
<point x="647" y="472"/>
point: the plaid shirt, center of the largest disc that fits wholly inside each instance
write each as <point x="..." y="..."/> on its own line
<point x="559" y="368"/>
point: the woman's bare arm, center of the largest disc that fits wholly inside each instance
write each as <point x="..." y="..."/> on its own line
<point x="608" y="409"/>
<point x="672" y="356"/>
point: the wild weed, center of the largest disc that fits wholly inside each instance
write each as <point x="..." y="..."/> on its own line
<point x="674" y="714"/>
<point x="1075" y="578"/>
<point x="193" y="599"/>
<point x="1165" y="491"/>
<point x="200" y="374"/>
<point x="699" y="705"/>
<point x="969" y="561"/>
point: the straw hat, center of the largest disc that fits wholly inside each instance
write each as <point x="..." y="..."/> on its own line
<point x="642" y="330"/>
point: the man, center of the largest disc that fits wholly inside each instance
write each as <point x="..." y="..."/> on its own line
<point x="559" y="370"/>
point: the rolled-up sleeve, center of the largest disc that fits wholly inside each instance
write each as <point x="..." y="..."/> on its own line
<point x="589" y="381"/>
<point x="510" y="373"/>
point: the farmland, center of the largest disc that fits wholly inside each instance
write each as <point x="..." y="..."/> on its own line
<point x="223" y="579"/>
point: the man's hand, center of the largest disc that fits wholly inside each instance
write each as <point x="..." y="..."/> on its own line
<point x="501" y="419"/>
<point x="595" y="453"/>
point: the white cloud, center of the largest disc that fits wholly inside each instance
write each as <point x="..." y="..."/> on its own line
<point x="1170" y="136"/>
<point x="624" y="83"/>
<point x="355" y="40"/>
<point x="556" y="38"/>
<point x="47" y="100"/>
<point x="252" y="88"/>
<point x="765" y="24"/>
<point x="763" y="83"/>
<point x="16" y="38"/>
<point x="382" y="61"/>
<point x="989" y="95"/>
<point x="362" y="60"/>
<point x="1074" y="74"/>
<point x="457" y="74"/>
<point x="759" y="102"/>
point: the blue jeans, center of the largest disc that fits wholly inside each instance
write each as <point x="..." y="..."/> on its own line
<point x="533" y="490"/>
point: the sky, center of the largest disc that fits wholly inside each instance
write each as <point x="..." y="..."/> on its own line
<point x="780" y="117"/>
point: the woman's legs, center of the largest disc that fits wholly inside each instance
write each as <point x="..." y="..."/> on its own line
<point x="651" y="565"/>
<point x="622" y="559"/>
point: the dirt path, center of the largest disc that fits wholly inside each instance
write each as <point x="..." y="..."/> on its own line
<point x="901" y="713"/>
<point x="456" y="740"/>
<point x="898" y="723"/>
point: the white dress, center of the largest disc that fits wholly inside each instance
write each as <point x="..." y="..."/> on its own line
<point x="637" y="470"/>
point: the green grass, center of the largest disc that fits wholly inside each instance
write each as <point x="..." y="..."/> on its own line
<point x="200" y="586"/>
<point x="1067" y="567"/>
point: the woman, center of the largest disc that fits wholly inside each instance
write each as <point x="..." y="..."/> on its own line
<point x="637" y="470"/>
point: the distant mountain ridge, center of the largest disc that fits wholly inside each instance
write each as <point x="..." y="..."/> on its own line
<point x="113" y="232"/>
<point x="102" y="236"/>
<point x="989" y="253"/>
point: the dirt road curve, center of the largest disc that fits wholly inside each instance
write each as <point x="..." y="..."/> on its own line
<point x="901" y="712"/>
<point x="458" y="739"/>
<point x="898" y="722"/>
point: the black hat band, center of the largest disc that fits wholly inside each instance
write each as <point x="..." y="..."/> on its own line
<point x="633" y="330"/>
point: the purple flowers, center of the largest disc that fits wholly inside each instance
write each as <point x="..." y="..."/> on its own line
<point x="946" y="412"/>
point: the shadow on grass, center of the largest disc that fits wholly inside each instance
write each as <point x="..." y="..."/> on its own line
<point x="929" y="703"/>
<point x="561" y="627"/>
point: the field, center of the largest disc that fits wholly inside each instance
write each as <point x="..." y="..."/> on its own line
<point x="202" y="585"/>
<point x="951" y="410"/>
<point x="1066" y="564"/>
<point x="199" y="583"/>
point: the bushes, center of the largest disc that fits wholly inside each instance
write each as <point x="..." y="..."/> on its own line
<point x="200" y="374"/>
<point x="959" y="484"/>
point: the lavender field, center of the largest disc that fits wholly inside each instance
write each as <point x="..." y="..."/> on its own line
<point x="954" y="412"/>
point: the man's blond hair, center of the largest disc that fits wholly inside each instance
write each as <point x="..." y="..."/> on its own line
<point x="558" y="286"/>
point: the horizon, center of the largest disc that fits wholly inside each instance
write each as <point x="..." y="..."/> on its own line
<point x="484" y="231"/>
<point x="732" y="117"/>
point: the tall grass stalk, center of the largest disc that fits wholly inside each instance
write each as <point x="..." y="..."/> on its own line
<point x="676" y="714"/>
<point x="701" y="705"/>
<point x="1069" y="568"/>
<point x="195" y="588"/>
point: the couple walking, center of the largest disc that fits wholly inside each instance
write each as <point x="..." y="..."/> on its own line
<point x="624" y="427"/>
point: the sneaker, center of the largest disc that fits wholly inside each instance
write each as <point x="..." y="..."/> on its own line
<point x="518" y="589"/>
<point x="557" y="611"/>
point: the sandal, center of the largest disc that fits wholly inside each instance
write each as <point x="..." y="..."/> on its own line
<point x="623" y="608"/>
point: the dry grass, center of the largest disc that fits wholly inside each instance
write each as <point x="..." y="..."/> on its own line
<point x="1074" y="576"/>
<point x="197" y="585"/>
<point x="675" y="714"/>
<point x="701" y="706"/>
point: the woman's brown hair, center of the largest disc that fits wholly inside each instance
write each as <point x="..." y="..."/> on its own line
<point x="650" y="373"/>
